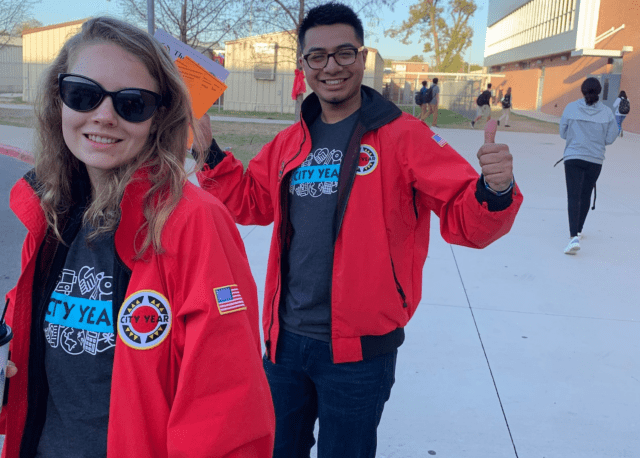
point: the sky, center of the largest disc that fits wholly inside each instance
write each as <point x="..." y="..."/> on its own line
<point x="51" y="12"/>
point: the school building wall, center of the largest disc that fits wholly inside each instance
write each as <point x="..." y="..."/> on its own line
<point x="39" y="47"/>
<point x="11" y="66"/>
<point x="261" y="73"/>
<point x="548" y="82"/>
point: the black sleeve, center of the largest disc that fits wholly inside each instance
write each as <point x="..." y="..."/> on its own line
<point x="214" y="154"/>
<point x="495" y="203"/>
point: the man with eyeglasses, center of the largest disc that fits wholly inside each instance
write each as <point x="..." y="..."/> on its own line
<point x="350" y="189"/>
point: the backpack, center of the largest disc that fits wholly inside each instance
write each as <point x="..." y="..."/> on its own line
<point x="506" y="101"/>
<point x="418" y="98"/>
<point x="428" y="96"/>
<point x="484" y="98"/>
<point x="625" y="107"/>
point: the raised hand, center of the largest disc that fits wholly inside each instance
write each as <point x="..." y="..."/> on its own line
<point x="11" y="369"/>
<point x="495" y="159"/>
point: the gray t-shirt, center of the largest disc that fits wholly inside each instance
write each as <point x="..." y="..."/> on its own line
<point x="79" y="352"/>
<point x="306" y="305"/>
<point x="435" y="90"/>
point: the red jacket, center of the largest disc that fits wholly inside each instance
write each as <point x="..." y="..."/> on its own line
<point x="198" y="389"/>
<point x="394" y="173"/>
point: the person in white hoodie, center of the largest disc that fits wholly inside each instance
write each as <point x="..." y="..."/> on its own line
<point x="616" y="106"/>
<point x="588" y="126"/>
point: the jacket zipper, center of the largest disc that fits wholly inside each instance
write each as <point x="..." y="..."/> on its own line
<point x="398" y="285"/>
<point x="284" y="218"/>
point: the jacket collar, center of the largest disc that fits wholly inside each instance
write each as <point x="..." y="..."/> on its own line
<point x="375" y="110"/>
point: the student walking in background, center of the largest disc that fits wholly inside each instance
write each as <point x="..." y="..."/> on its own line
<point x="484" y="106"/>
<point x="506" y="108"/>
<point x="424" y="106"/>
<point x="588" y="126"/>
<point x="135" y="315"/>
<point x="434" y="102"/>
<point x="622" y="107"/>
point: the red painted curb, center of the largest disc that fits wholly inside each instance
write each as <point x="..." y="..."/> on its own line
<point x="17" y="153"/>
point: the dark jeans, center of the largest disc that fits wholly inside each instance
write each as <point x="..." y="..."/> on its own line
<point x="347" y="399"/>
<point x="581" y="178"/>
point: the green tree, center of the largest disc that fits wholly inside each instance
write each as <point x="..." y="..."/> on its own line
<point x="416" y="58"/>
<point x="444" y="28"/>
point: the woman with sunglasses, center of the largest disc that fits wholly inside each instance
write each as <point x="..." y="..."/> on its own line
<point x="135" y="316"/>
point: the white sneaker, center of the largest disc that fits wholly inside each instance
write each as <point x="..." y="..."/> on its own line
<point x="573" y="247"/>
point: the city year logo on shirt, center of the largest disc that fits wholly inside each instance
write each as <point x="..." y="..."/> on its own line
<point x="368" y="160"/>
<point x="144" y="320"/>
<point x="79" y="314"/>
<point x="318" y="174"/>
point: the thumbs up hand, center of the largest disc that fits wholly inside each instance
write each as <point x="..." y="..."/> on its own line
<point x="495" y="160"/>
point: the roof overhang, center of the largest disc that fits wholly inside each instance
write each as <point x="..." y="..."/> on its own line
<point x="601" y="52"/>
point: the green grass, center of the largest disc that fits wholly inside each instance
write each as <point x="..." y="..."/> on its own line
<point x="244" y="147"/>
<point x="250" y="114"/>
<point x="16" y="100"/>
<point x="445" y="117"/>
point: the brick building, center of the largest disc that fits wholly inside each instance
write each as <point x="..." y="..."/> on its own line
<point x="547" y="48"/>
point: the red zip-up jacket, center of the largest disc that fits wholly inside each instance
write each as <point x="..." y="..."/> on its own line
<point x="193" y="388"/>
<point x="395" y="172"/>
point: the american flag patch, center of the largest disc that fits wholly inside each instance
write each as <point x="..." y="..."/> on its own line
<point x="229" y="299"/>
<point x="439" y="140"/>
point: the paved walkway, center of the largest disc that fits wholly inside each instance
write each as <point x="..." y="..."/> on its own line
<point x="538" y="115"/>
<point x="518" y="350"/>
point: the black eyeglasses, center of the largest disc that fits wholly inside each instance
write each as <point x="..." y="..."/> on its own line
<point x="343" y="57"/>
<point x="83" y="94"/>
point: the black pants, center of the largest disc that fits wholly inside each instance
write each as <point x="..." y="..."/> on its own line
<point x="581" y="178"/>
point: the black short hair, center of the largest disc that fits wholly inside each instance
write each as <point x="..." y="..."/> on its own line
<point x="435" y="81"/>
<point x="424" y="83"/>
<point x="622" y="94"/>
<point x="330" y="14"/>
<point x="489" y="86"/>
<point x="591" y="89"/>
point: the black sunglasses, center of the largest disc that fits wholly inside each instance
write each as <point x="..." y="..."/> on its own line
<point x="83" y="94"/>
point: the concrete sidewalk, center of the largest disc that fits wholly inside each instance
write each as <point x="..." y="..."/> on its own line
<point x="538" y="115"/>
<point x="517" y="350"/>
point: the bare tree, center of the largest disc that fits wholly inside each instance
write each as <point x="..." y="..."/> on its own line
<point x="286" y="16"/>
<point x="198" y="23"/>
<point x="444" y="28"/>
<point x="13" y="13"/>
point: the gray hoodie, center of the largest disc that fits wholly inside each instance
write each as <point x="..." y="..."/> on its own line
<point x="587" y="129"/>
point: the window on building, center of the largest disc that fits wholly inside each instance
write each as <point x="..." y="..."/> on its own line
<point x="264" y="67"/>
<point x="534" y="21"/>
<point x="605" y="89"/>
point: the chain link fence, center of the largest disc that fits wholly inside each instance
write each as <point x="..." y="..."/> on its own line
<point x="252" y="91"/>
<point x="458" y="92"/>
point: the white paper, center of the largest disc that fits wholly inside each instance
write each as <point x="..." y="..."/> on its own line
<point x="178" y="49"/>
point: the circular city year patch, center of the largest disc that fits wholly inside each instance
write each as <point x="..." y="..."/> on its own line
<point x="368" y="160"/>
<point x="144" y="320"/>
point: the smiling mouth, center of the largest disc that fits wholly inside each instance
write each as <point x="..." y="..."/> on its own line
<point x="334" y="82"/>
<point x="102" y="140"/>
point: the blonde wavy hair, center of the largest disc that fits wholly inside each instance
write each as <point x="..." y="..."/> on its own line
<point x="163" y="154"/>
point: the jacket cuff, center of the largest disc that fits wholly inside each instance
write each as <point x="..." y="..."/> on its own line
<point x="494" y="203"/>
<point x="214" y="154"/>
